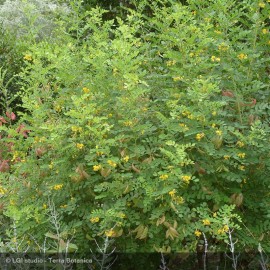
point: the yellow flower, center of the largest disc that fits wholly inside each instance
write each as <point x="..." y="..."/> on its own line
<point x="220" y="231"/>
<point x="215" y="59"/>
<point x="197" y="233"/>
<point x="206" y="222"/>
<point x="184" y="126"/>
<point x="241" y="155"/>
<point x="261" y="4"/>
<point x="178" y="199"/>
<point x="223" y="47"/>
<point x="110" y="233"/>
<point x="58" y="108"/>
<point x="172" y="192"/>
<point x="215" y="214"/>
<point x="242" y="56"/>
<point x="179" y="78"/>
<point x="94" y="219"/>
<point x="199" y="136"/>
<point x="217" y="32"/>
<point x="265" y="31"/>
<point x="86" y="90"/>
<point x="2" y="191"/>
<point x="80" y="145"/>
<point x="57" y="187"/>
<point x="128" y="123"/>
<point x="122" y="215"/>
<point x="185" y="113"/>
<point x="219" y="132"/>
<point x="63" y="206"/>
<point x="110" y="115"/>
<point x="226" y="228"/>
<point x="12" y="202"/>
<point x="240" y="144"/>
<point x="144" y="109"/>
<point x="111" y="163"/>
<point x="186" y="178"/>
<point x="45" y="206"/>
<point x="171" y="63"/>
<point x="28" y="57"/>
<point x="226" y="157"/>
<point x="96" y="167"/>
<point x="164" y="176"/>
<point x="214" y="113"/>
<point x="51" y="165"/>
<point x="76" y="129"/>
<point x="241" y="167"/>
<point x="126" y="158"/>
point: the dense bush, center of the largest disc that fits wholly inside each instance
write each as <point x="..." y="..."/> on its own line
<point x="151" y="132"/>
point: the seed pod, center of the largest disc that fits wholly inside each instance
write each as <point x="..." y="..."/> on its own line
<point x="237" y="199"/>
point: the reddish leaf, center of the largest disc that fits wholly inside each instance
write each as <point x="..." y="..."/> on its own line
<point x="227" y="94"/>
<point x="4" y="166"/>
<point x="23" y="131"/>
<point x="12" y="116"/>
<point x="2" y="120"/>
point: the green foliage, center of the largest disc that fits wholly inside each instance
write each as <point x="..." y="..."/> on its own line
<point x="151" y="132"/>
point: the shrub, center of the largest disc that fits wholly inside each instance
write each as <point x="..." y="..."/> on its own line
<point x="152" y="132"/>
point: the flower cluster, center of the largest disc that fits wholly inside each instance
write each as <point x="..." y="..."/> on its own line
<point x="28" y="57"/>
<point x="110" y="233"/>
<point x="126" y="158"/>
<point x="94" y="219"/>
<point x="171" y="63"/>
<point x="223" y="47"/>
<point x="223" y="230"/>
<point x="172" y="193"/>
<point x="241" y="155"/>
<point x="199" y="136"/>
<point x="80" y="145"/>
<point x="178" y="78"/>
<point x="242" y="56"/>
<point x="2" y="191"/>
<point x="240" y="144"/>
<point x="128" y="123"/>
<point x="58" y="187"/>
<point x="186" y="178"/>
<point x="197" y="233"/>
<point x="215" y="59"/>
<point x="96" y="167"/>
<point x="76" y="129"/>
<point x="164" y="177"/>
<point x="206" y="222"/>
<point x="85" y="90"/>
<point x="111" y="163"/>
